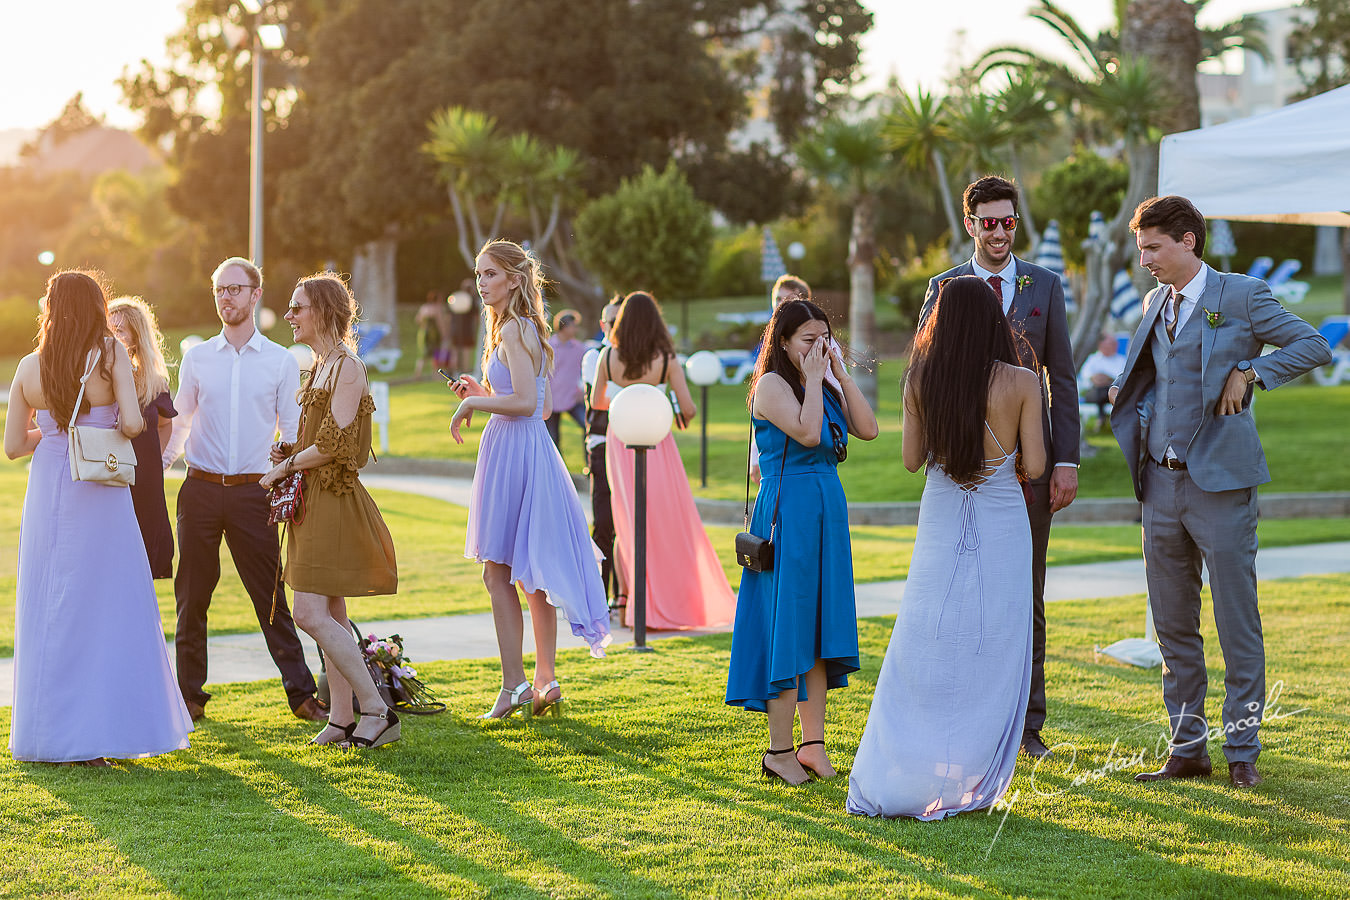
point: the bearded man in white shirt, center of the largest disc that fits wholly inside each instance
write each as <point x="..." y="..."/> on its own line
<point x="236" y="396"/>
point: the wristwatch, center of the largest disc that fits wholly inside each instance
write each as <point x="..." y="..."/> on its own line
<point x="1245" y="367"/>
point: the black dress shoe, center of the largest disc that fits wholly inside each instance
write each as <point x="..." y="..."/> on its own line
<point x="1244" y="775"/>
<point x="309" y="711"/>
<point x="1179" y="767"/>
<point x="1033" y="746"/>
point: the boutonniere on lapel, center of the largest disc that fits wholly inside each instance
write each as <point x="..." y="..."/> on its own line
<point x="1023" y="282"/>
<point x="1214" y="319"/>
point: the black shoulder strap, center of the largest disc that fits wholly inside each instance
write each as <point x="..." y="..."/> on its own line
<point x="773" y="525"/>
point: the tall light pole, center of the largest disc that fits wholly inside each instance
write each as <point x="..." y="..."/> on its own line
<point x="640" y="416"/>
<point x="265" y="37"/>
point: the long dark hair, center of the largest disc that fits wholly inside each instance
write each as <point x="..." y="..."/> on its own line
<point x="639" y="334"/>
<point x="74" y="321"/>
<point x="773" y="356"/>
<point x="953" y="357"/>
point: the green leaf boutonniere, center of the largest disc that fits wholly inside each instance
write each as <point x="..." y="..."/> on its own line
<point x="1023" y="282"/>
<point x="1215" y="319"/>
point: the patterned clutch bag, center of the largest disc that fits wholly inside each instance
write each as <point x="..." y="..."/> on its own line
<point x="287" y="500"/>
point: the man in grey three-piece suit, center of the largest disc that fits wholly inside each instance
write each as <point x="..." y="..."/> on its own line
<point x="1033" y="301"/>
<point x="1181" y="411"/>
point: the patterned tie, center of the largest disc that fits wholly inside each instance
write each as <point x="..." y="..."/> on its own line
<point x="1176" y="315"/>
<point x="996" y="282"/>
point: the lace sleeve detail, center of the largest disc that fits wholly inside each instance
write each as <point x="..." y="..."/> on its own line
<point x="344" y="445"/>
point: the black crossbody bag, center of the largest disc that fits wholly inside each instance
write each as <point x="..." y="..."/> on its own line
<point x="753" y="552"/>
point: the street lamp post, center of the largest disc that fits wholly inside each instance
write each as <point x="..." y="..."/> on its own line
<point x="640" y="416"/>
<point x="704" y="369"/>
<point x="265" y="37"/>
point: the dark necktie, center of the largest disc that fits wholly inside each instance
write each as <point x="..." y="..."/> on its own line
<point x="1176" y="315"/>
<point x="996" y="283"/>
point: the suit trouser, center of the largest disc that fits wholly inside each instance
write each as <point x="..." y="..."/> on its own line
<point x="1039" y="515"/>
<point x="602" y="513"/>
<point x="206" y="512"/>
<point x="1182" y="526"/>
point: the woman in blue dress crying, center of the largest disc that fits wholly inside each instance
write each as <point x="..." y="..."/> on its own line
<point x="796" y="632"/>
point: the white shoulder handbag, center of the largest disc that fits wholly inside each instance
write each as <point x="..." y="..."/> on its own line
<point x="99" y="455"/>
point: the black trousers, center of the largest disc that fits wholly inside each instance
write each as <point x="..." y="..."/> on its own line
<point x="1039" y="514"/>
<point x="602" y="514"/>
<point x="206" y="512"/>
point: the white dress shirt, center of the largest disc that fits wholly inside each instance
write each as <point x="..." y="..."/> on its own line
<point x="233" y="404"/>
<point x="1190" y="297"/>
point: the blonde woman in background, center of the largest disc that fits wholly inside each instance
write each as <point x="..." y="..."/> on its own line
<point x="526" y="525"/>
<point x="133" y="323"/>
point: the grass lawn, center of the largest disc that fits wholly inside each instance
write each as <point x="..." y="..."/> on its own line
<point x="436" y="580"/>
<point x="649" y="787"/>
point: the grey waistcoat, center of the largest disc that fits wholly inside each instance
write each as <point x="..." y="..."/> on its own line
<point x="1177" y="402"/>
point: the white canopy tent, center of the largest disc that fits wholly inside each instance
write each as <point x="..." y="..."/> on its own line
<point x="1288" y="165"/>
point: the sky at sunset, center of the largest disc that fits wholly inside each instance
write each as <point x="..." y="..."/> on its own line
<point x="920" y="41"/>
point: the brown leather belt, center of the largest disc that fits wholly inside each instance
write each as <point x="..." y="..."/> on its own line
<point x="226" y="480"/>
<point x="1172" y="463"/>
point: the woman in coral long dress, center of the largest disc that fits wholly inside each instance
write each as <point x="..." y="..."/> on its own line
<point x="686" y="587"/>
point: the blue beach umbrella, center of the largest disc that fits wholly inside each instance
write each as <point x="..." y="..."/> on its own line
<point x="1050" y="254"/>
<point x="771" y="266"/>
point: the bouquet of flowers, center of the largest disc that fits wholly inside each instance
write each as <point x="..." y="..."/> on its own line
<point x="395" y="677"/>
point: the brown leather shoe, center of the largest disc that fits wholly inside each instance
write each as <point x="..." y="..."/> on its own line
<point x="1244" y="775"/>
<point x="310" y="711"/>
<point x="1179" y="767"/>
<point x="1033" y="746"/>
<point x="195" y="709"/>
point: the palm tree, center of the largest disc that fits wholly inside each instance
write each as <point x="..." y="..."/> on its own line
<point x="918" y="131"/>
<point x="1028" y="115"/>
<point x="854" y="160"/>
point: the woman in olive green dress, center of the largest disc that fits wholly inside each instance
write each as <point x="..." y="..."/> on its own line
<point x="341" y="547"/>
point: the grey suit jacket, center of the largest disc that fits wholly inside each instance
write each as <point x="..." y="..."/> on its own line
<point x="1224" y="452"/>
<point x="1039" y="323"/>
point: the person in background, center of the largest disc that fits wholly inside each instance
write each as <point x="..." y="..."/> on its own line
<point x="433" y="333"/>
<point x="91" y="671"/>
<point x="686" y="586"/>
<point x="597" y="426"/>
<point x="341" y="547"/>
<point x="236" y="395"/>
<point x="134" y="325"/>
<point x="565" y="382"/>
<point x="464" y="321"/>
<point x="796" y="633"/>
<point x="526" y="525"/>
<point x="1099" y="371"/>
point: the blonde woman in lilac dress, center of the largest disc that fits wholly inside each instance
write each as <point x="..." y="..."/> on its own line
<point x="526" y="525"/>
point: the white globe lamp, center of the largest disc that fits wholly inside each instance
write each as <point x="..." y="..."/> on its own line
<point x="188" y="343"/>
<point x="303" y="355"/>
<point x="641" y="416"/>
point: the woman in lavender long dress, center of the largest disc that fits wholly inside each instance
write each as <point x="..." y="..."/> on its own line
<point x="526" y="525"/>
<point x="946" y="719"/>
<point x="91" y="672"/>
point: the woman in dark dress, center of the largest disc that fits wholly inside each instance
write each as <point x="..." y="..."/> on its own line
<point x="132" y="320"/>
